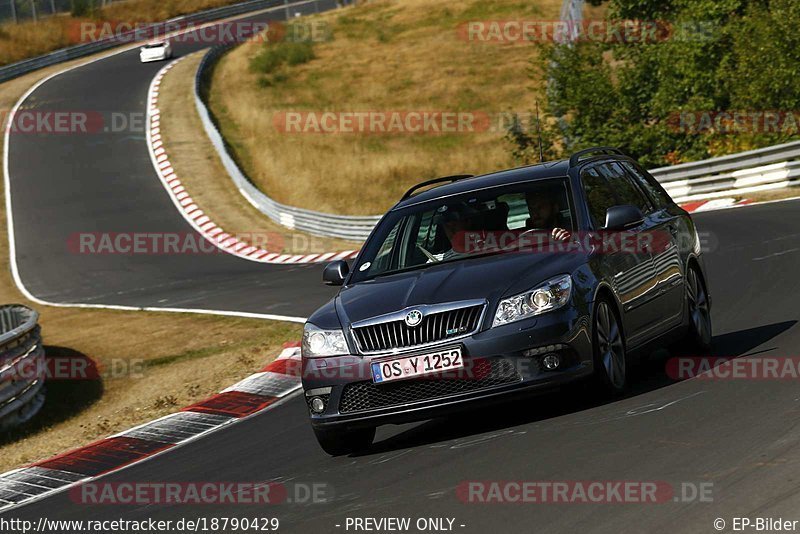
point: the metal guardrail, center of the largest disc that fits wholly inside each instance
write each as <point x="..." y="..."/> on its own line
<point x="572" y="14"/>
<point x="316" y="223"/>
<point x="22" y="365"/>
<point x="74" y="52"/>
<point x="772" y="167"/>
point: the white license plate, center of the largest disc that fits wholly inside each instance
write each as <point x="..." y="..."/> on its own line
<point x="412" y="366"/>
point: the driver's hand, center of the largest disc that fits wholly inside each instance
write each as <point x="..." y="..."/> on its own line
<point x="560" y="234"/>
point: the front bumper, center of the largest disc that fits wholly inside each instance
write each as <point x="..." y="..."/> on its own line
<point x="149" y="58"/>
<point x="500" y="363"/>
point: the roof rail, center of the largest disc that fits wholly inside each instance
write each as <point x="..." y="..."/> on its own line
<point x="443" y="179"/>
<point x="607" y="150"/>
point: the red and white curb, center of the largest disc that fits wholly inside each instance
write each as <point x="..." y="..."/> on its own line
<point x="252" y="395"/>
<point x="192" y="212"/>
<point x="715" y="204"/>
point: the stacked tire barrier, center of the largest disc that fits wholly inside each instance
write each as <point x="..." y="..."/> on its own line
<point x="22" y="365"/>
<point x="316" y="223"/>
<point x="74" y="52"/>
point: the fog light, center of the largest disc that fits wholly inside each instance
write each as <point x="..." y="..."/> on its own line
<point x="317" y="405"/>
<point x="551" y="362"/>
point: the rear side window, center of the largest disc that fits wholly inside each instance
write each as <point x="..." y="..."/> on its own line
<point x="599" y="196"/>
<point x="627" y="191"/>
<point x="649" y="184"/>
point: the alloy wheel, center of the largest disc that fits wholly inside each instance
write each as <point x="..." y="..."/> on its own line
<point x="698" y="307"/>
<point x="610" y="345"/>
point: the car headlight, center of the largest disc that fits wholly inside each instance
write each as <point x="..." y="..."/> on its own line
<point x="551" y="295"/>
<point x="318" y="343"/>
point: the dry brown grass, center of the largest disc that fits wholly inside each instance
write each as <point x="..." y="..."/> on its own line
<point x="186" y="358"/>
<point x="200" y="170"/>
<point x="771" y="194"/>
<point x="29" y="39"/>
<point x="387" y="55"/>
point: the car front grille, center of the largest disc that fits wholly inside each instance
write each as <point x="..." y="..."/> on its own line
<point x="435" y="327"/>
<point x="483" y="374"/>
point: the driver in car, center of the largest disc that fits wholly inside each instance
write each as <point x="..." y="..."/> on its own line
<point x="544" y="210"/>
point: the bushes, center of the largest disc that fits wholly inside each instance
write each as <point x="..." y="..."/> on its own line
<point x="723" y="55"/>
<point x="275" y="55"/>
<point x="82" y="8"/>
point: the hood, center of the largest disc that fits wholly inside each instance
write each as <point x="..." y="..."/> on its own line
<point x="480" y="278"/>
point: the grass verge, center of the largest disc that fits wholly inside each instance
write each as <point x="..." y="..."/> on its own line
<point x="770" y="194"/>
<point x="177" y="359"/>
<point x="202" y="174"/>
<point x="383" y="56"/>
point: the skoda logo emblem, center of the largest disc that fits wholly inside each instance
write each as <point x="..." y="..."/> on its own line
<point x="413" y="318"/>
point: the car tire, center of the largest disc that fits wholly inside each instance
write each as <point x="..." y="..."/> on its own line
<point x="700" y="333"/>
<point x="608" y="342"/>
<point x="341" y="442"/>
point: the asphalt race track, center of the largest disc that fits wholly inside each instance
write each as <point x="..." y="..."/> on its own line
<point x="742" y="436"/>
<point x="104" y="182"/>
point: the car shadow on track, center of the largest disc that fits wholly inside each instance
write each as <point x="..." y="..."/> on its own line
<point x="649" y="374"/>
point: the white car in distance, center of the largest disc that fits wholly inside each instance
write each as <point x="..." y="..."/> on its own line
<point x="155" y="51"/>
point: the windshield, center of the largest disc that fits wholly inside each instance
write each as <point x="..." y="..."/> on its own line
<point x="466" y="226"/>
<point x="154" y="45"/>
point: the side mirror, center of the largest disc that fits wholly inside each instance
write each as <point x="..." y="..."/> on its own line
<point x="623" y="217"/>
<point x="335" y="273"/>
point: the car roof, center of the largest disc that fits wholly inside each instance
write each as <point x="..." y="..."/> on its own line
<point x="540" y="171"/>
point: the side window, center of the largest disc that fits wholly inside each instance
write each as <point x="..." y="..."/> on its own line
<point x="426" y="235"/>
<point x="649" y="184"/>
<point x="623" y="185"/>
<point x="599" y="196"/>
<point x="517" y="211"/>
<point x="383" y="259"/>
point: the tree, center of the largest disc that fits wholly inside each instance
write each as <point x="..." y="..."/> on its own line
<point x="717" y="56"/>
